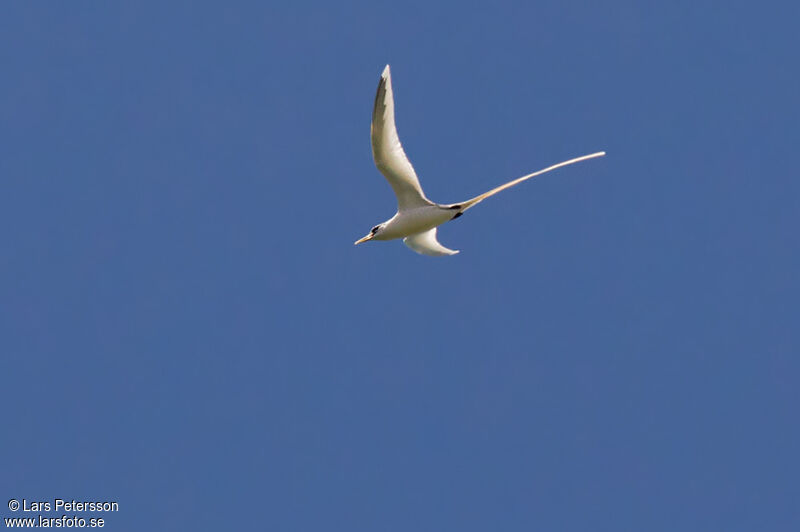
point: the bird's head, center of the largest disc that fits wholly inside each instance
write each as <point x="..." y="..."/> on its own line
<point x="375" y="231"/>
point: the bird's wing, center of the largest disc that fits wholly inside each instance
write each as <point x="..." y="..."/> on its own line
<point x="426" y="244"/>
<point x="387" y="151"/>
<point x="477" y="199"/>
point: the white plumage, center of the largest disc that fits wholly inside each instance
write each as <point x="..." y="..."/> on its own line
<point x="417" y="217"/>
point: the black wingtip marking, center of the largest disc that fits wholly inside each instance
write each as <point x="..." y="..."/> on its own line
<point x="380" y="97"/>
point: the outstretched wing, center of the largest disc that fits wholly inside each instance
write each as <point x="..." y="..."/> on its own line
<point x="426" y="244"/>
<point x="387" y="151"/>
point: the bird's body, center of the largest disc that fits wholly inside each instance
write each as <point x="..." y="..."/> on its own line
<point x="416" y="220"/>
<point x="417" y="217"/>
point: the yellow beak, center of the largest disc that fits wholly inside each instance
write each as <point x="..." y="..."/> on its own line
<point x="364" y="239"/>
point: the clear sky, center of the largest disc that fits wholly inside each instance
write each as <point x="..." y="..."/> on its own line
<point x="187" y="328"/>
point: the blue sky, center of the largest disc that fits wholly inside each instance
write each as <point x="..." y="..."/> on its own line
<point x="186" y="327"/>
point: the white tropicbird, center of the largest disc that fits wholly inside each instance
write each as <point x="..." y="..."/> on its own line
<point x="418" y="217"/>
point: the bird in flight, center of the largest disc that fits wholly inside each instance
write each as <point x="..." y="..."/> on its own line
<point x="417" y="217"/>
